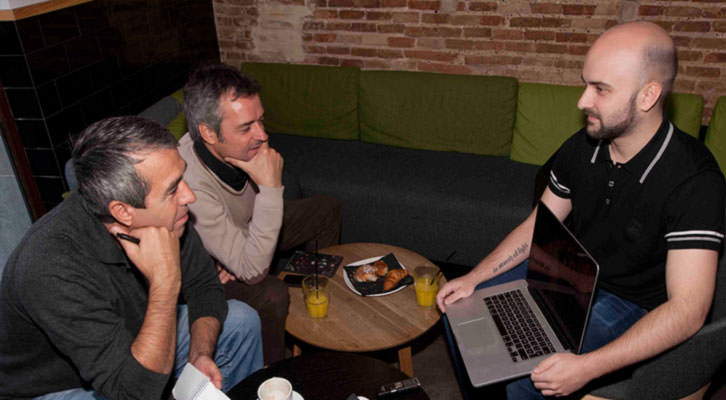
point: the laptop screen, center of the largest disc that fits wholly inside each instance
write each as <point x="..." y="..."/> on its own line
<point x="561" y="277"/>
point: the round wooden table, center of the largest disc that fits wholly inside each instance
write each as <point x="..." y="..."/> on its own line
<point x="361" y="324"/>
<point x="323" y="376"/>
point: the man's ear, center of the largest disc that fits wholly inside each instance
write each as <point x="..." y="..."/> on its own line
<point x="208" y="134"/>
<point x="122" y="212"/>
<point x="649" y="95"/>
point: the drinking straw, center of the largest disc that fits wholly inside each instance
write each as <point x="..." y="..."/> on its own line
<point x="317" y="291"/>
<point x="438" y="276"/>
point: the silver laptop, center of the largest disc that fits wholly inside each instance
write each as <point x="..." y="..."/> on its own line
<point x="506" y="330"/>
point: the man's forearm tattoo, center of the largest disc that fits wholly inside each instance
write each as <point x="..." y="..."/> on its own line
<point x="519" y="250"/>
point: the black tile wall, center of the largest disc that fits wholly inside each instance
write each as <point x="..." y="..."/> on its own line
<point x="83" y="51"/>
<point x="9" y="41"/>
<point x="74" y="87"/>
<point x="48" y="96"/>
<point x="98" y="106"/>
<point x="63" y="70"/>
<point x="51" y="190"/>
<point x="63" y="152"/>
<point x="42" y="162"/>
<point x="14" y="72"/>
<point x="59" y="26"/>
<point x="64" y="124"/>
<point x="104" y="73"/>
<point x="30" y="34"/>
<point x="48" y="64"/>
<point x="23" y="103"/>
<point x="34" y="132"/>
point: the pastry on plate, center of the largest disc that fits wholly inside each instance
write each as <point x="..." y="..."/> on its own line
<point x="366" y="273"/>
<point x="393" y="277"/>
<point x="381" y="267"/>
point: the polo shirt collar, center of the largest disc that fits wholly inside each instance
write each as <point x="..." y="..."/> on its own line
<point x="233" y="177"/>
<point x="643" y="162"/>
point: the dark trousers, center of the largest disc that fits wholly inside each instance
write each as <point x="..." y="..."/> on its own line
<point x="271" y="301"/>
<point x="311" y="221"/>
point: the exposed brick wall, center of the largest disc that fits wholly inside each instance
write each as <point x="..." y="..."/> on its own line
<point x="534" y="41"/>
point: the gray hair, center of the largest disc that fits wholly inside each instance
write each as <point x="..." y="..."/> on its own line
<point x="104" y="159"/>
<point x="204" y="89"/>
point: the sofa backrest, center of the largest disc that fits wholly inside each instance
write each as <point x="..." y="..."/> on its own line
<point x="716" y="133"/>
<point x="685" y="110"/>
<point x="423" y="110"/>
<point x="546" y="116"/>
<point x="169" y="112"/>
<point x="178" y="125"/>
<point x="308" y="100"/>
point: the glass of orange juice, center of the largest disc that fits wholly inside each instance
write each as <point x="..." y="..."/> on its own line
<point x="426" y="284"/>
<point x="316" y="293"/>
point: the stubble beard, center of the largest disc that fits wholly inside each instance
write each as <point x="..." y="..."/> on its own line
<point x="604" y="132"/>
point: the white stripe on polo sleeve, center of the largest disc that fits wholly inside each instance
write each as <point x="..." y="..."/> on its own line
<point x="557" y="184"/>
<point x="695" y="235"/>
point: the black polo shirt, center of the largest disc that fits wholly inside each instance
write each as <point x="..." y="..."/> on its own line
<point x="669" y="196"/>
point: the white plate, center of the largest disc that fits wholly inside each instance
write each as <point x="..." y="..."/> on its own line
<point x="368" y="261"/>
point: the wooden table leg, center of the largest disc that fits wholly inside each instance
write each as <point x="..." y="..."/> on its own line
<point x="405" y="363"/>
<point x="296" y="350"/>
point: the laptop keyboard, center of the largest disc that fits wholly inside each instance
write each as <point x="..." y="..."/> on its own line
<point x="521" y="331"/>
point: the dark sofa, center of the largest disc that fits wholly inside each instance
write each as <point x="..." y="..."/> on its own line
<point x="441" y="164"/>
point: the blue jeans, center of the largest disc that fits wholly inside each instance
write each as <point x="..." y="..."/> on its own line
<point x="611" y="316"/>
<point x="238" y="354"/>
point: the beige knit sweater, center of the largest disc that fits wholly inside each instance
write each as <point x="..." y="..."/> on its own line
<point x="238" y="228"/>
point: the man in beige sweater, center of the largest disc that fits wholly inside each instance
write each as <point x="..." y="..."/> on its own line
<point x="240" y="213"/>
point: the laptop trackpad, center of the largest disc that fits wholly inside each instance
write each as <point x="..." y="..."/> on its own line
<point x="477" y="336"/>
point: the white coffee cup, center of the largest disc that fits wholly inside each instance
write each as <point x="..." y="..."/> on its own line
<point x="275" y="389"/>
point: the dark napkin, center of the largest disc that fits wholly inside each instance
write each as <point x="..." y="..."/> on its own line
<point x="369" y="288"/>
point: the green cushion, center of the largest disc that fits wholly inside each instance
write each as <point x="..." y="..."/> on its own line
<point x="308" y="100"/>
<point x="685" y="111"/>
<point x="421" y="110"/>
<point x="178" y="126"/>
<point x="546" y="116"/>
<point x="716" y="133"/>
<point x="179" y="96"/>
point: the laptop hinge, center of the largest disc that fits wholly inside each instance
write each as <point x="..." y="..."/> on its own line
<point x="553" y="321"/>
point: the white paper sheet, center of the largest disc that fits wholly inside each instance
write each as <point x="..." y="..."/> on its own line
<point x="194" y="385"/>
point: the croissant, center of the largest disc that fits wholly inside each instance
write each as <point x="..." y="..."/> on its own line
<point x="393" y="277"/>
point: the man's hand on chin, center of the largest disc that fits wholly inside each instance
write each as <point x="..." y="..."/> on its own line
<point x="561" y="374"/>
<point x="265" y="168"/>
<point x="208" y="367"/>
<point x="156" y="254"/>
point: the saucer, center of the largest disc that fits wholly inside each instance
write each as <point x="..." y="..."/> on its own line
<point x="295" y="396"/>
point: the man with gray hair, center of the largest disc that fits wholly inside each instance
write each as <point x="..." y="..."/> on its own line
<point x="110" y="294"/>
<point x="240" y="212"/>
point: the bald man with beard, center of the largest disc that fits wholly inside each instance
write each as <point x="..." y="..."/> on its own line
<point x="644" y="197"/>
